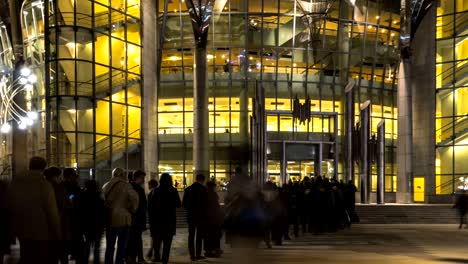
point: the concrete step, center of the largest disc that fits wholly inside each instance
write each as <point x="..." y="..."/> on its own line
<point x="407" y="214"/>
<point x="389" y="214"/>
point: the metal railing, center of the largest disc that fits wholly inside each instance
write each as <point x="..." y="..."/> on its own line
<point x="446" y="131"/>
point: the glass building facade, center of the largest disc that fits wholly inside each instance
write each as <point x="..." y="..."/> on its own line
<point x="451" y="95"/>
<point x="97" y="111"/>
<point x="268" y="45"/>
<point x="93" y="73"/>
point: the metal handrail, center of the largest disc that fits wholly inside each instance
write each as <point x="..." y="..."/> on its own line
<point x="449" y="25"/>
<point x="453" y="123"/>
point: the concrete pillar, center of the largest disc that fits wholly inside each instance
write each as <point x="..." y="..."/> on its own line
<point x="405" y="134"/>
<point x="381" y="162"/>
<point x="201" y="142"/>
<point x="364" y="168"/>
<point x="423" y="87"/>
<point x="349" y="124"/>
<point x="149" y="88"/>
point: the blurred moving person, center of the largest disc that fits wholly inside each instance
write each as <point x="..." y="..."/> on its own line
<point x="214" y="223"/>
<point x="31" y="197"/>
<point x="245" y="217"/>
<point x="462" y="207"/>
<point x="52" y="175"/>
<point x="121" y="202"/>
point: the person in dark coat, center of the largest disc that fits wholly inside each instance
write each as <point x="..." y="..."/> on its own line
<point x="93" y="219"/>
<point x="195" y="201"/>
<point x="52" y="175"/>
<point x="135" y="243"/>
<point x="162" y="210"/>
<point x="214" y="222"/>
<point x="74" y="235"/>
<point x="462" y="206"/>
<point x="152" y="185"/>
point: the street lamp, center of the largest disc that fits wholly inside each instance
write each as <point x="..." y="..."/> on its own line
<point x="9" y="109"/>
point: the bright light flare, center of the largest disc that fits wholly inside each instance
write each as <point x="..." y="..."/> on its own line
<point x="25" y="72"/>
<point x="33" y="115"/>
<point x="5" y="128"/>
<point x="32" y="78"/>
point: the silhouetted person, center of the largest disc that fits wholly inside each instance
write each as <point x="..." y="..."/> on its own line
<point x="135" y="243"/>
<point x="64" y="206"/>
<point x="350" y="201"/>
<point x="462" y="206"/>
<point x="195" y="201"/>
<point x="214" y="222"/>
<point x="152" y="185"/>
<point x="93" y="219"/>
<point x="34" y="214"/>
<point x="5" y="236"/>
<point x="162" y="210"/>
<point x="279" y="214"/>
<point x="304" y="206"/>
<point x="121" y="202"/>
<point x="74" y="242"/>
<point x="293" y="208"/>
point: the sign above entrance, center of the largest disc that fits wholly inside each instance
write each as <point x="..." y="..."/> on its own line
<point x="301" y="112"/>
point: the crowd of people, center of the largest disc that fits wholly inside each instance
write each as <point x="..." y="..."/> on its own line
<point x="56" y="220"/>
<point x="313" y="205"/>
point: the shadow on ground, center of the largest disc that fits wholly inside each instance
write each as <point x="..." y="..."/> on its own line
<point x="453" y="260"/>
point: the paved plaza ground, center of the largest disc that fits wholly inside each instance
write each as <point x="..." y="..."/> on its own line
<point x="362" y="244"/>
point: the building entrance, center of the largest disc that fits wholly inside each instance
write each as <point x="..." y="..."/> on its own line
<point x="305" y="150"/>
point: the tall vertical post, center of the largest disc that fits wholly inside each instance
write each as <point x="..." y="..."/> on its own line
<point x="364" y="169"/>
<point x="349" y="123"/>
<point x="149" y="112"/>
<point x="381" y="162"/>
<point x="201" y="144"/>
<point x="243" y="128"/>
<point x="200" y="12"/>
<point x="405" y="110"/>
<point x="318" y="160"/>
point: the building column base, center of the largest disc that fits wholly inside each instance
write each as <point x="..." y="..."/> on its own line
<point x="403" y="197"/>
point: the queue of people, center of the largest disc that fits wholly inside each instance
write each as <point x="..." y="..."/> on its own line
<point x="314" y="205"/>
<point x="55" y="220"/>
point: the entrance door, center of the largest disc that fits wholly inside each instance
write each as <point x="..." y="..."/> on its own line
<point x="297" y="170"/>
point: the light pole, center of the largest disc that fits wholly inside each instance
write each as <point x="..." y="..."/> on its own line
<point x="10" y="110"/>
<point x="200" y="13"/>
